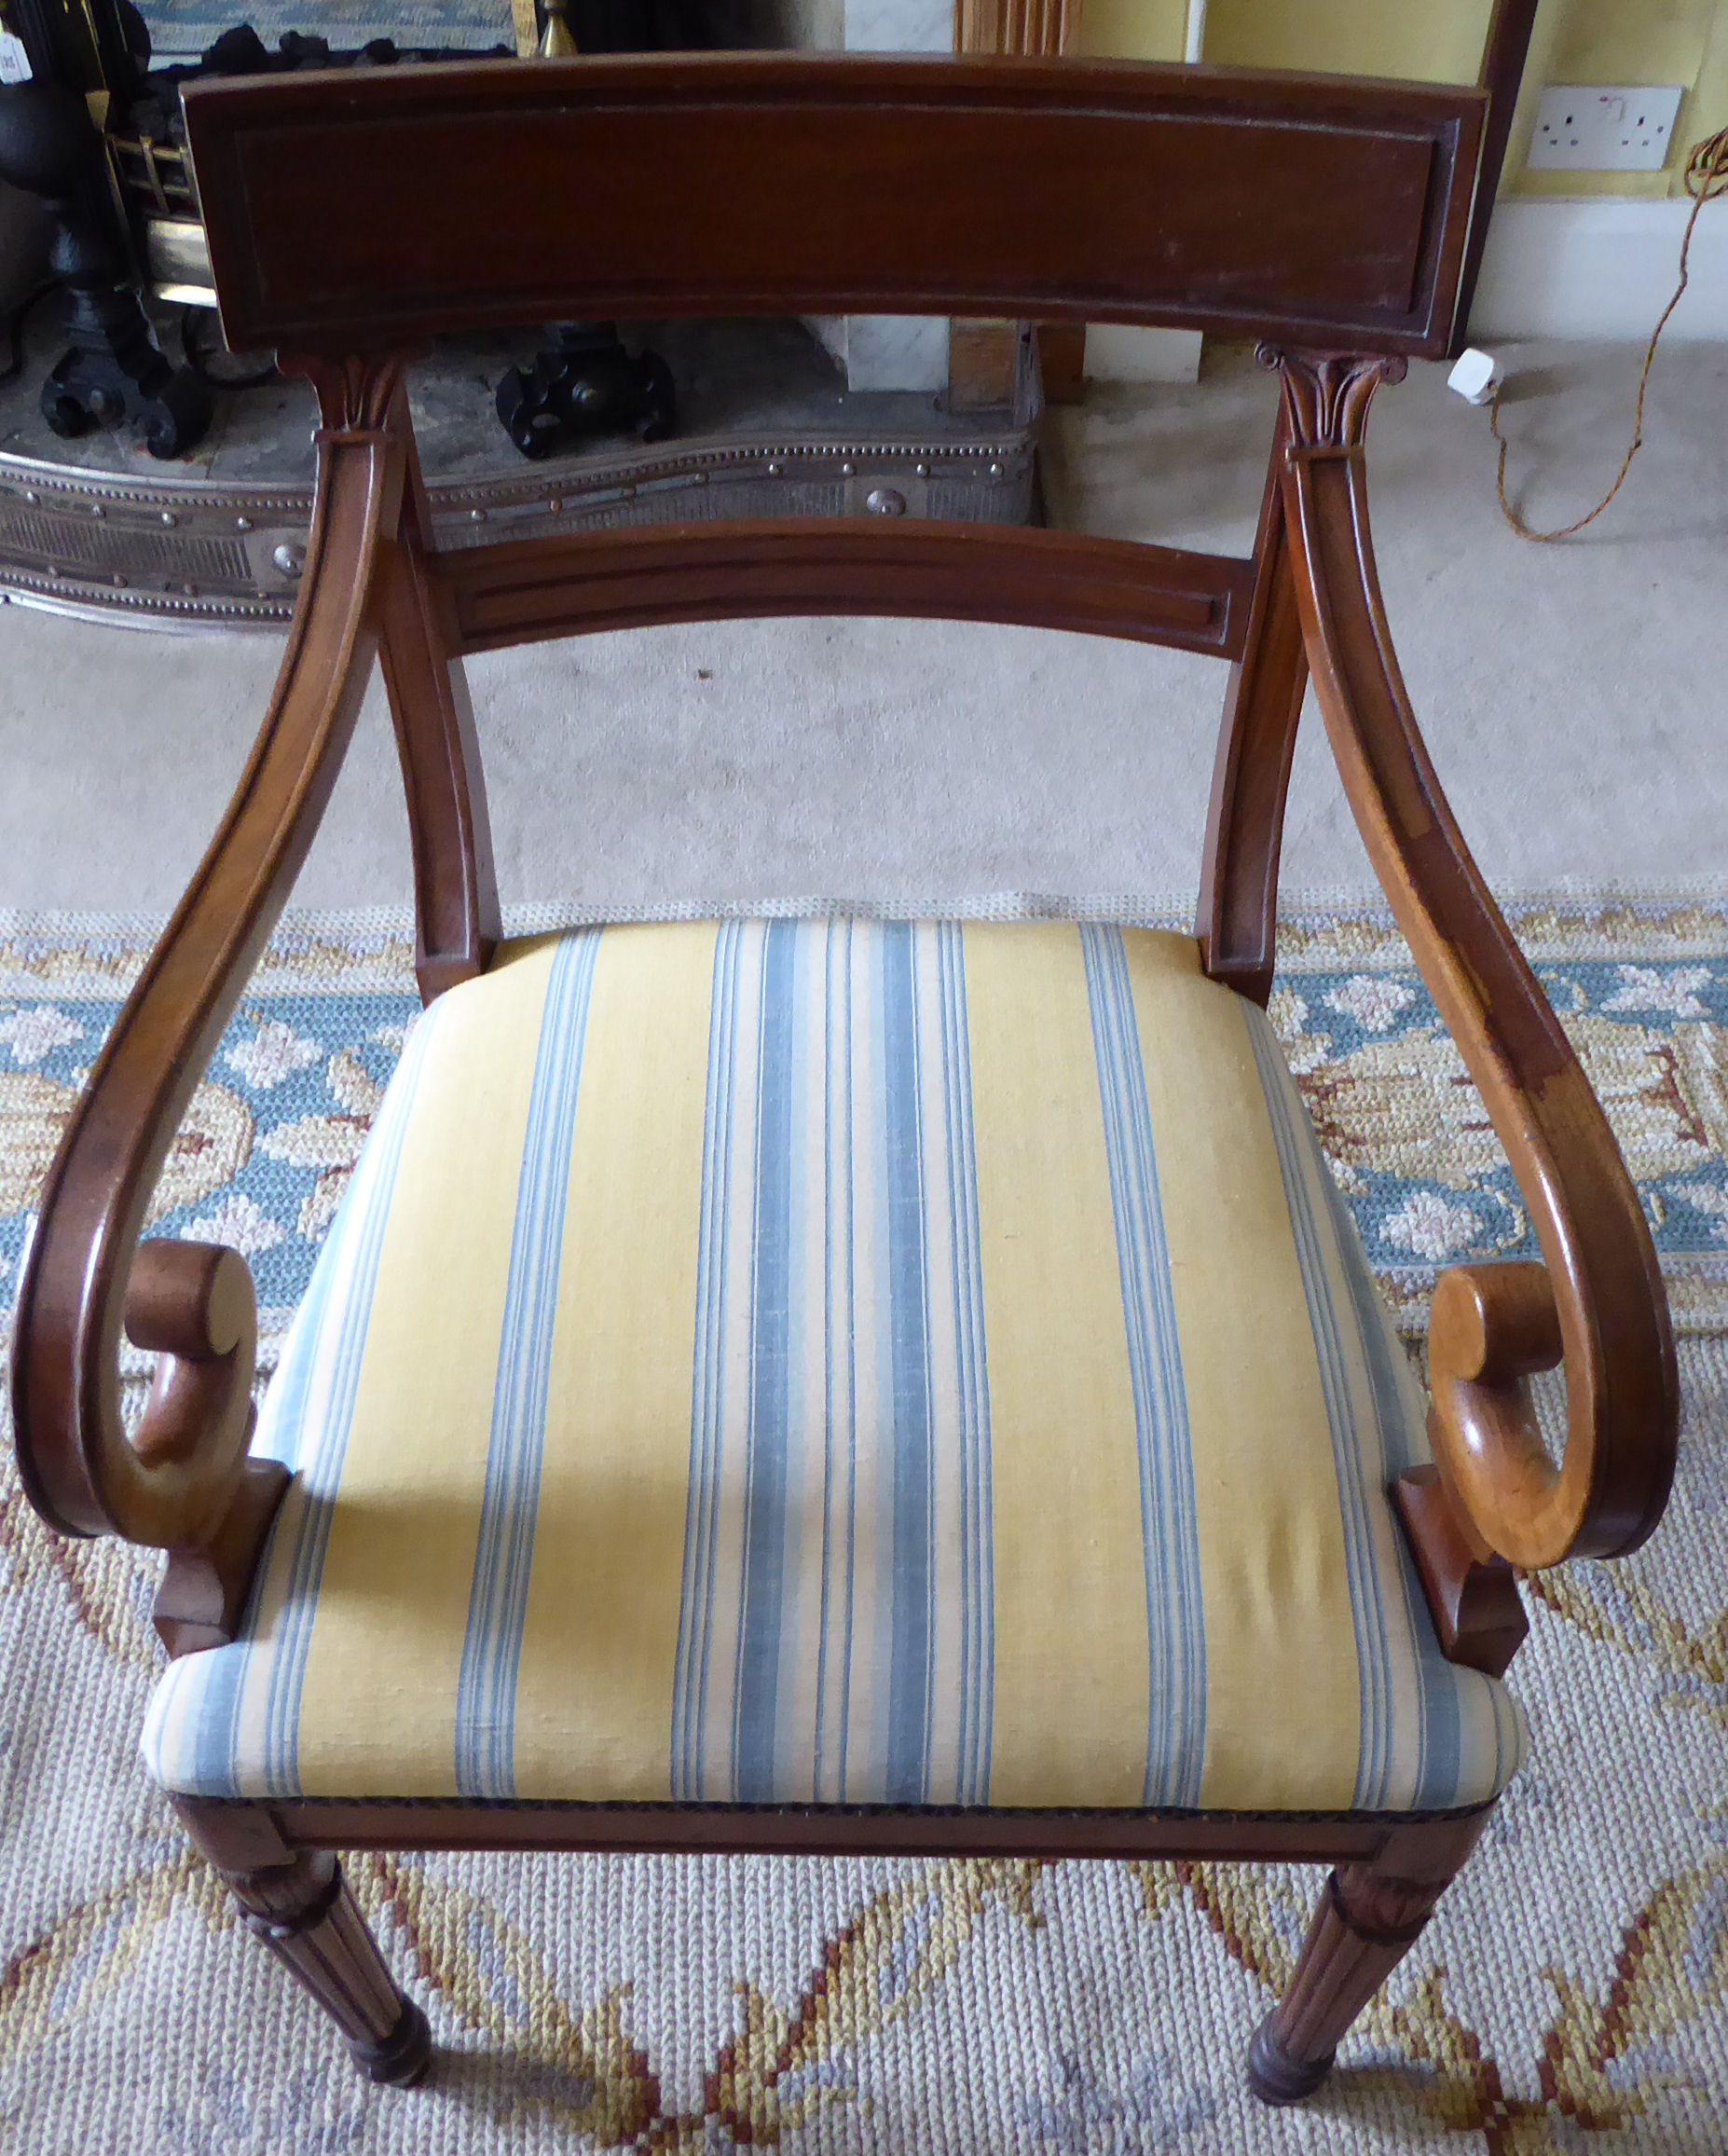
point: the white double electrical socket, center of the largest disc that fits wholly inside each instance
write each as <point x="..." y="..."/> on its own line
<point x="1604" y="127"/>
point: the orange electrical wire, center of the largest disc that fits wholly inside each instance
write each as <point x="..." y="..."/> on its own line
<point x="1707" y="176"/>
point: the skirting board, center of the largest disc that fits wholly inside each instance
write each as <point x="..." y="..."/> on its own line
<point x="1584" y="266"/>
<point x="1600" y="266"/>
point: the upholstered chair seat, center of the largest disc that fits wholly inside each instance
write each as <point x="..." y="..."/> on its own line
<point x="835" y="1360"/>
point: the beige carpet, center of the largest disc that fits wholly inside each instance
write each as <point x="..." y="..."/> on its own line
<point x="1571" y="1994"/>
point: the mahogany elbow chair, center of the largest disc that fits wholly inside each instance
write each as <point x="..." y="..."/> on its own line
<point x="785" y="1385"/>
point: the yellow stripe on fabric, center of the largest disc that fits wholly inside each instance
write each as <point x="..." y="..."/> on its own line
<point x="600" y="1639"/>
<point x="1282" y="1717"/>
<point x="1072" y="1664"/>
<point x="399" y="1569"/>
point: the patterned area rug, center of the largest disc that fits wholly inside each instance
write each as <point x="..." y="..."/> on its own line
<point x="1572" y="1993"/>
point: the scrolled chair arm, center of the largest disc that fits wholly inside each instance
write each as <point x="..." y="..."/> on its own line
<point x="1596" y="1303"/>
<point x="175" y="1477"/>
<point x="182" y="1482"/>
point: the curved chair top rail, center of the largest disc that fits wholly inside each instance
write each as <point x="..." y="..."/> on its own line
<point x="355" y="211"/>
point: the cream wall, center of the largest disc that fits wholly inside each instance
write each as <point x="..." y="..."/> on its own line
<point x="1132" y="29"/>
<point x="1685" y="41"/>
<point x="1438" y="42"/>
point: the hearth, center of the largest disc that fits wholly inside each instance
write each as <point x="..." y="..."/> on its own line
<point x="766" y="428"/>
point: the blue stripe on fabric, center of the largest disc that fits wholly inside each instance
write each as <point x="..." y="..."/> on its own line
<point x="839" y="1302"/>
<point x="708" y="1371"/>
<point x="214" y="1682"/>
<point x="219" y="1709"/>
<point x="1509" y="1736"/>
<point x="755" y="1675"/>
<point x="486" y="1689"/>
<point x="1294" y="1142"/>
<point x="831" y="1335"/>
<point x="280" y="1748"/>
<point x="215" y="1731"/>
<point x="1440" y="1743"/>
<point x="912" y="1642"/>
<point x="977" y="1571"/>
<point x="850" y="1333"/>
<point x="1176" y="1612"/>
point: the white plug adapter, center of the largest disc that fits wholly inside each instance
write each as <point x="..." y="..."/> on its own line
<point x="1476" y="375"/>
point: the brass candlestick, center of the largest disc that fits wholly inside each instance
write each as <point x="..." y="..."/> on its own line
<point x="558" y="41"/>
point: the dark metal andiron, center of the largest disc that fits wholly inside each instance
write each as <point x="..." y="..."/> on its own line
<point x="113" y="373"/>
<point x="585" y="384"/>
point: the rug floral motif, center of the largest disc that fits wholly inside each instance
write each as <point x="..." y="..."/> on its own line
<point x="1572" y="1994"/>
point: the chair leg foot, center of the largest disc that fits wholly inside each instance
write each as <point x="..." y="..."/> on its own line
<point x="1369" y="1917"/>
<point x="306" y="1915"/>
<point x="402" y="2059"/>
<point x="1274" y="2075"/>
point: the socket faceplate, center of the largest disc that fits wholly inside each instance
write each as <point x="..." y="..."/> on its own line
<point x="1598" y="127"/>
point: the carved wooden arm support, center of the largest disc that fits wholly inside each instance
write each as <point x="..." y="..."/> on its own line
<point x="183" y="1481"/>
<point x="1598" y="1303"/>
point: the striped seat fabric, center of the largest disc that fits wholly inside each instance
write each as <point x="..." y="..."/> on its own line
<point x="787" y="1362"/>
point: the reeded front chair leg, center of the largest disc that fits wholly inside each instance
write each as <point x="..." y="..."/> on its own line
<point x="1369" y="1917"/>
<point x="306" y="1915"/>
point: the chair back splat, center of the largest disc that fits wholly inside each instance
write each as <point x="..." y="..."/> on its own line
<point x="1307" y="210"/>
<point x="1126" y="1442"/>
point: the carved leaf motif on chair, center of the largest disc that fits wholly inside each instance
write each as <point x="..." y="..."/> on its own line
<point x="1331" y="391"/>
<point x="353" y="393"/>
